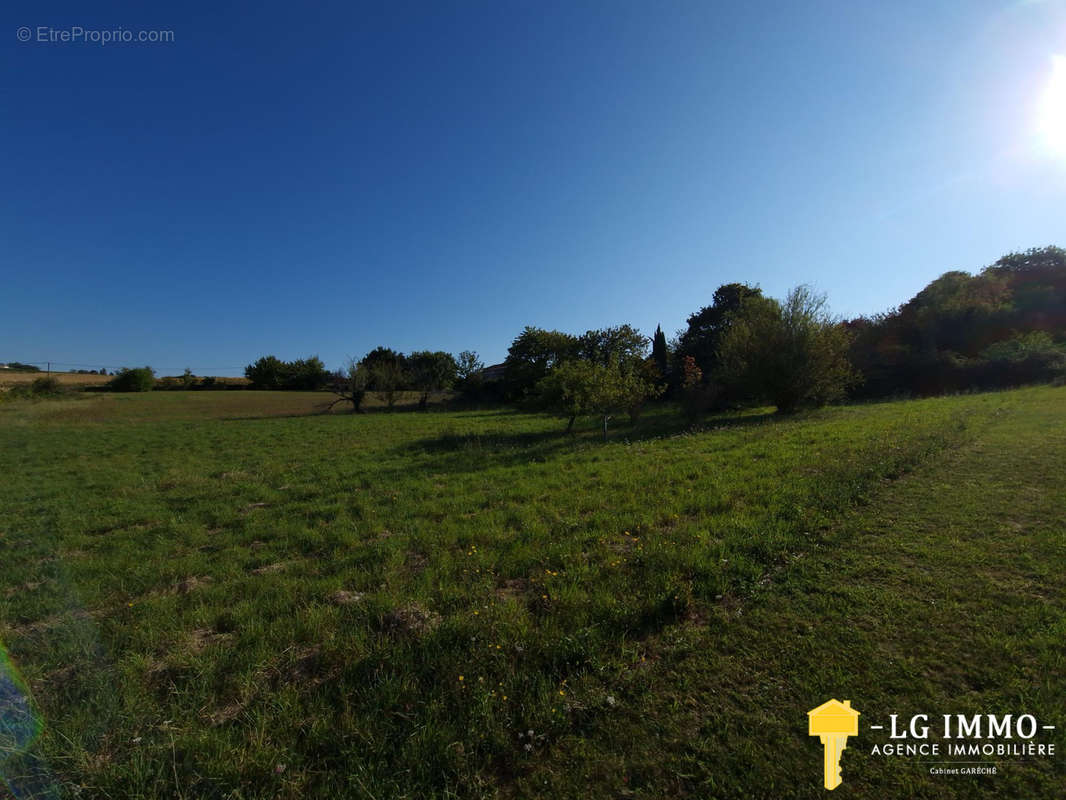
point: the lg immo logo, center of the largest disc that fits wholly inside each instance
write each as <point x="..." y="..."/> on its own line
<point x="833" y="722"/>
<point x="944" y="744"/>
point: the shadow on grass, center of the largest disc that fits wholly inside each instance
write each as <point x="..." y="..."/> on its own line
<point x="324" y="410"/>
<point x="470" y="451"/>
<point x="292" y="415"/>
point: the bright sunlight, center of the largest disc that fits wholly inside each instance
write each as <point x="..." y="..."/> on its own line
<point x="1052" y="120"/>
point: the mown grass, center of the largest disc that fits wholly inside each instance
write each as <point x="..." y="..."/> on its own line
<point x="209" y="598"/>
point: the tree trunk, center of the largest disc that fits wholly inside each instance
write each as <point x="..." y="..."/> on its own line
<point x="570" y="424"/>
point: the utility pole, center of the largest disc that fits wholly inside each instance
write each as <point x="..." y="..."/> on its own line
<point x="49" y="367"/>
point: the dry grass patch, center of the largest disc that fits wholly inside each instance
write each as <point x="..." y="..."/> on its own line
<point x="343" y="597"/>
<point x="202" y="638"/>
<point x="412" y="620"/>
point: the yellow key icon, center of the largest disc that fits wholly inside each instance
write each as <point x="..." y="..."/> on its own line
<point x="833" y="722"/>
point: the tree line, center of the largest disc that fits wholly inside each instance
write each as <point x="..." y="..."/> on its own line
<point x="1005" y="326"/>
<point x="382" y="370"/>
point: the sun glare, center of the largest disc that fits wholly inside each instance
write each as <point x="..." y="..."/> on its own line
<point x="1052" y="124"/>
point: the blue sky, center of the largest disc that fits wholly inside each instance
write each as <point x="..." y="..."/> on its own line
<point x="324" y="178"/>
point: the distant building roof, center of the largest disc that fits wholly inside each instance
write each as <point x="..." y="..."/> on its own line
<point x="493" y="373"/>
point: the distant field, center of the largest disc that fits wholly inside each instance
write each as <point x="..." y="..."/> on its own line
<point x="173" y="405"/>
<point x="229" y="594"/>
<point x="8" y="378"/>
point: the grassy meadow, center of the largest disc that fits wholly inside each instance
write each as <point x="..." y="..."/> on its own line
<point x="230" y="594"/>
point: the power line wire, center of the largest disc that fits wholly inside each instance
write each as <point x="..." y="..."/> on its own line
<point x="97" y="365"/>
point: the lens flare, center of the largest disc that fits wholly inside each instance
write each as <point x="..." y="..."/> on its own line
<point x="22" y="770"/>
<point x="1052" y="114"/>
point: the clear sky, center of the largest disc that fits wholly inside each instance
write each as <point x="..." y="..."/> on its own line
<point x="301" y="178"/>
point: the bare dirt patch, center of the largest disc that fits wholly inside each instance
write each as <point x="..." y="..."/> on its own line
<point x="271" y="568"/>
<point x="512" y="587"/>
<point x="192" y="584"/>
<point x="411" y="620"/>
<point x="202" y="638"/>
<point x="343" y="597"/>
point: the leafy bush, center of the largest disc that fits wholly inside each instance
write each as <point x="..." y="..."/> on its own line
<point x="583" y="388"/>
<point x="46" y="386"/>
<point x="696" y="396"/>
<point x="792" y="353"/>
<point x="270" y="372"/>
<point x="141" y="379"/>
<point x="1034" y="344"/>
<point x="41" y="387"/>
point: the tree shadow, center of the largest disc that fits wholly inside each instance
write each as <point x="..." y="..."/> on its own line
<point x="294" y="415"/>
<point x="472" y="451"/>
<point x="324" y="410"/>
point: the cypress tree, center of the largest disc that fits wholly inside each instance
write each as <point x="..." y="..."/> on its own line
<point x="658" y="351"/>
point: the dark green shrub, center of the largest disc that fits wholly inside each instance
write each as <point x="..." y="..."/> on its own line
<point x="269" y="372"/>
<point x="45" y="386"/>
<point x="141" y="379"/>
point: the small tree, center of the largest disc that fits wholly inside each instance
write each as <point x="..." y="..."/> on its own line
<point x="431" y="372"/>
<point x="133" y="380"/>
<point x="706" y="327"/>
<point x="307" y="374"/>
<point x="694" y="396"/>
<point x="45" y="386"/>
<point x="532" y="355"/>
<point x="578" y="388"/>
<point x="269" y="372"/>
<point x="387" y="377"/>
<point x="792" y="354"/>
<point x="188" y="380"/>
<point x="350" y="386"/>
<point x="622" y="345"/>
<point x="468" y="365"/>
<point x="659" y="353"/>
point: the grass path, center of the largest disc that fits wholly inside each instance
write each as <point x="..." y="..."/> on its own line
<point x="944" y="595"/>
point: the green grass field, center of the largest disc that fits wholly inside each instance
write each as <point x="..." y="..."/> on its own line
<point x="225" y="595"/>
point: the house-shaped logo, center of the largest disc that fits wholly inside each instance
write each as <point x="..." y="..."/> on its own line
<point x="833" y="722"/>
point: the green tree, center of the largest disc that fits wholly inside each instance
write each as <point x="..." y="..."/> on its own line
<point x="133" y="380"/>
<point x="307" y="374"/>
<point x="1034" y="344"/>
<point x="46" y="386"/>
<point x="622" y="345"/>
<point x="707" y="326"/>
<point x="468" y="365"/>
<point x="660" y="354"/>
<point x="387" y="373"/>
<point x="387" y="357"/>
<point x="792" y="354"/>
<point x="350" y="386"/>
<point x="268" y="372"/>
<point x="580" y="388"/>
<point x="431" y="372"/>
<point x="696" y="395"/>
<point x="532" y="355"/>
